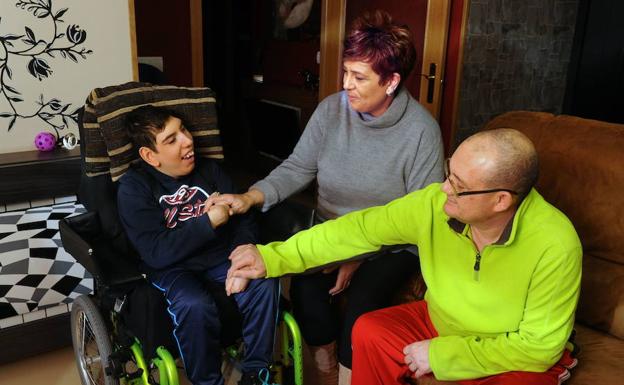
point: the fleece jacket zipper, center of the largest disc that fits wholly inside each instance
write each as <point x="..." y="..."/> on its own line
<point x="477" y="266"/>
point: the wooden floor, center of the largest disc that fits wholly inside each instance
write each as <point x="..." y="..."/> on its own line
<point x="54" y="368"/>
<point x="59" y="368"/>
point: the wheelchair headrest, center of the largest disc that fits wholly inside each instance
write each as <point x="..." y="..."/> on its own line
<point x="107" y="147"/>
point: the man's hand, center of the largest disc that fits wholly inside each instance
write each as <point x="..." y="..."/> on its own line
<point x="417" y="357"/>
<point x="246" y="263"/>
<point x="345" y="273"/>
<point x="218" y="214"/>
<point x="235" y="285"/>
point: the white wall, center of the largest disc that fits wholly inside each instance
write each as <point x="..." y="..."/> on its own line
<point x="107" y="27"/>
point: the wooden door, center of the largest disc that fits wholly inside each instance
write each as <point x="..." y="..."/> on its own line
<point x="428" y="21"/>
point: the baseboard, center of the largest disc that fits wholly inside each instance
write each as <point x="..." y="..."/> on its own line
<point x="35" y="337"/>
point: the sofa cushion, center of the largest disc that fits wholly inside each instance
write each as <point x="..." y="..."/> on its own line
<point x="601" y="358"/>
<point x="582" y="174"/>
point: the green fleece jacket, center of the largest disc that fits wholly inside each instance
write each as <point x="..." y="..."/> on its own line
<point x="514" y="310"/>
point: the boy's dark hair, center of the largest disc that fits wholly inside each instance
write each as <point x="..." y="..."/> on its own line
<point x="145" y="122"/>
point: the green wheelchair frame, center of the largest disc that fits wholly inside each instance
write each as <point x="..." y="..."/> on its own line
<point x="100" y="362"/>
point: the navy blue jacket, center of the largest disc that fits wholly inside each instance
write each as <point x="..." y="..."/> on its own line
<point x="172" y="230"/>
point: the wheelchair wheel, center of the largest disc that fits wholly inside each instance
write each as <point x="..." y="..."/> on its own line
<point x="91" y="342"/>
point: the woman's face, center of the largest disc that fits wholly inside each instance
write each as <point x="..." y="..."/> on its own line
<point x="365" y="93"/>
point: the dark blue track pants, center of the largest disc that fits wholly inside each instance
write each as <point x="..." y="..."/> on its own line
<point x="197" y="326"/>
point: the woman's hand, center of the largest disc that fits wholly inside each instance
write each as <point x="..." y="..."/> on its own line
<point x="218" y="214"/>
<point x="345" y="272"/>
<point x="238" y="203"/>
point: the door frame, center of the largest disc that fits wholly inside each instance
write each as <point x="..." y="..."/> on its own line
<point x="333" y="16"/>
<point x="133" y="41"/>
<point x="434" y="54"/>
<point x="453" y="72"/>
<point x="197" y="43"/>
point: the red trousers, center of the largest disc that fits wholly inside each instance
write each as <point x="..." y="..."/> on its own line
<point x="379" y="337"/>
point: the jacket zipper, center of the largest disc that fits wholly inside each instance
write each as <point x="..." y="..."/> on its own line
<point x="477" y="266"/>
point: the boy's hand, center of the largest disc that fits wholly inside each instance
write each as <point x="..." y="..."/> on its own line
<point x="218" y="214"/>
<point x="235" y="285"/>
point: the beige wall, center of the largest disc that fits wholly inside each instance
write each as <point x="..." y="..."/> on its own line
<point x="107" y="27"/>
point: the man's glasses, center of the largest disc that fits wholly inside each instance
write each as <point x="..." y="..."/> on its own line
<point x="447" y="174"/>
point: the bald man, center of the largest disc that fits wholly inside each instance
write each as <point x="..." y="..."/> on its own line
<point x="502" y="268"/>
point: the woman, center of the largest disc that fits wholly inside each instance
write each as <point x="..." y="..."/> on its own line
<point x="367" y="145"/>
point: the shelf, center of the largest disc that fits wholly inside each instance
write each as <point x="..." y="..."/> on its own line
<point x="32" y="175"/>
<point x="12" y="159"/>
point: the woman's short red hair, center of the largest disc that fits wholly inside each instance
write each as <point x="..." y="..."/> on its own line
<point x="387" y="47"/>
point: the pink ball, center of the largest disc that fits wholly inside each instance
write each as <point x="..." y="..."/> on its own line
<point x="45" y="141"/>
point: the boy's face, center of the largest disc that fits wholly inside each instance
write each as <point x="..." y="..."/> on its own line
<point x="174" y="155"/>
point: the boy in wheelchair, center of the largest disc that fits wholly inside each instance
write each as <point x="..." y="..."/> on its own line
<point x="184" y="246"/>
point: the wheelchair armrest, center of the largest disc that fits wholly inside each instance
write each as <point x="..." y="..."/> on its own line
<point x="75" y="244"/>
<point x="284" y="220"/>
<point x="83" y="238"/>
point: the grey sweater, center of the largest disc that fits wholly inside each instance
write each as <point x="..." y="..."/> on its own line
<point x="359" y="162"/>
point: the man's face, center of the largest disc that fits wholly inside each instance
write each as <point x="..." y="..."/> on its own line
<point x="174" y="155"/>
<point x="365" y="93"/>
<point x="466" y="171"/>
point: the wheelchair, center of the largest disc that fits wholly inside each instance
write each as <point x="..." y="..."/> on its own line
<point x="121" y="333"/>
<point x="108" y="352"/>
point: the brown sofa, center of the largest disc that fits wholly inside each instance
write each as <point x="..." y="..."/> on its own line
<point x="582" y="173"/>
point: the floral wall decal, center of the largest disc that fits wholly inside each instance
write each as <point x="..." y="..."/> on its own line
<point x="52" y="54"/>
<point x="64" y="42"/>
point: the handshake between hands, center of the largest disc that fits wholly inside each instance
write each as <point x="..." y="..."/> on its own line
<point x="235" y="203"/>
<point x="218" y="211"/>
<point x="247" y="264"/>
<point x="246" y="260"/>
<point x="220" y="207"/>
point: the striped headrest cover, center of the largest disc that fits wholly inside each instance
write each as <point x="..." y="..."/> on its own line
<point x="108" y="149"/>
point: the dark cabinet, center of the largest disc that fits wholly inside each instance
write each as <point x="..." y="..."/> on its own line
<point x="596" y="74"/>
<point x="33" y="175"/>
<point x="265" y="72"/>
